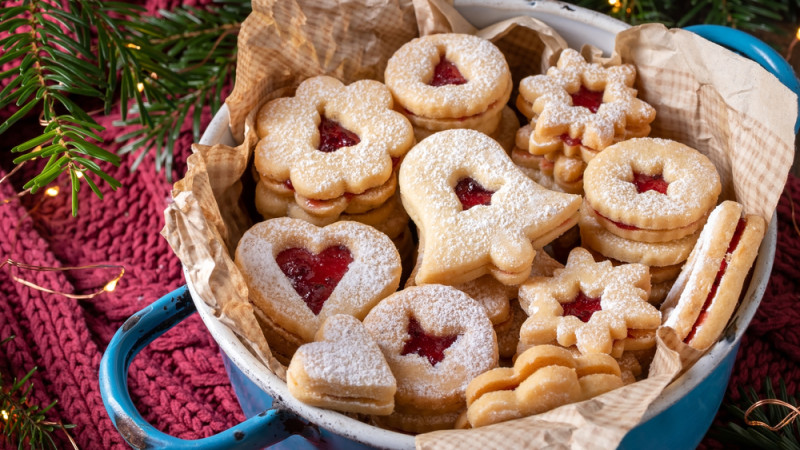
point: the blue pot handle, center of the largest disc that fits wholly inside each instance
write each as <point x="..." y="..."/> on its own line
<point x="259" y="431"/>
<point x="755" y="49"/>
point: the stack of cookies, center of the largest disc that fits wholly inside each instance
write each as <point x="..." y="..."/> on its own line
<point x="646" y="202"/>
<point x="447" y="81"/>
<point x="331" y="153"/>
<point x="576" y="110"/>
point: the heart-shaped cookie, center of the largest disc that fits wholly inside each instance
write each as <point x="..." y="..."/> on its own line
<point x="477" y="212"/>
<point x="344" y="369"/>
<point x="299" y="274"/>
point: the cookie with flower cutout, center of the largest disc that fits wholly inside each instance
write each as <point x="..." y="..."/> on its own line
<point x="543" y="377"/>
<point x="577" y="103"/>
<point x="331" y="140"/>
<point x="299" y="274"/>
<point x="592" y="305"/>
<point x="476" y="211"/>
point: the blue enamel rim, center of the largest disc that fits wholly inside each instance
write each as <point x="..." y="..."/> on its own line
<point x="264" y="429"/>
<point x="274" y="425"/>
<point x="755" y="49"/>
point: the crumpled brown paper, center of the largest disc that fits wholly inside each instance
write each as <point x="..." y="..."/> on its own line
<point x="706" y="97"/>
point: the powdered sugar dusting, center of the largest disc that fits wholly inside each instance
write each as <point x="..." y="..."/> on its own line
<point x="694" y="183"/>
<point x="289" y="149"/>
<point x="500" y="233"/>
<point x="372" y="275"/>
<point x="347" y="356"/>
<point x="411" y="68"/>
<point x="441" y="311"/>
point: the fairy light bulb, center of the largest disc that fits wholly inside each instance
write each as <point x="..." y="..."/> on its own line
<point x="5" y="415"/>
<point x="110" y="286"/>
<point x="797" y="35"/>
<point x="52" y="191"/>
<point x="133" y="46"/>
<point x="612" y="2"/>
<point x="140" y="87"/>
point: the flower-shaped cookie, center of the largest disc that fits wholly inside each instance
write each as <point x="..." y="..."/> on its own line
<point x="477" y="212"/>
<point x="580" y="101"/>
<point x="588" y="304"/>
<point x="343" y="369"/>
<point x="543" y="377"/>
<point x="330" y="139"/>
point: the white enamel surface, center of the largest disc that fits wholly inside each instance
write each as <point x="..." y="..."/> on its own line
<point x="577" y="26"/>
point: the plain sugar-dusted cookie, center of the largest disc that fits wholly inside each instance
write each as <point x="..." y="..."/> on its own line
<point x="343" y="369"/>
<point x="477" y="212"/>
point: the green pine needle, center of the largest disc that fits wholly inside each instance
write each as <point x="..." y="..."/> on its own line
<point x="158" y="70"/>
<point x="739" y="434"/>
<point x="20" y="420"/>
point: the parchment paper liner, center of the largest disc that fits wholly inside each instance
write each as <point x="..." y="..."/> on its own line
<point x="725" y="106"/>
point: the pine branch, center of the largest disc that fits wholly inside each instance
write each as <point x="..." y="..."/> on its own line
<point x="157" y="70"/>
<point x="24" y="422"/>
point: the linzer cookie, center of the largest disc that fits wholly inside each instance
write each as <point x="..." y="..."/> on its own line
<point x="705" y="294"/>
<point x="543" y="377"/>
<point x="435" y="339"/>
<point x="583" y="104"/>
<point x="576" y="110"/>
<point x="330" y="149"/>
<point x="343" y="369"/>
<point x="476" y="211"/>
<point x="591" y="305"/>
<point x="299" y="274"/>
<point x="651" y="190"/>
<point x="449" y="80"/>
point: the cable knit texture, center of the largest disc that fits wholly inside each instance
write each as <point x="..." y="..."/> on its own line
<point x="179" y="382"/>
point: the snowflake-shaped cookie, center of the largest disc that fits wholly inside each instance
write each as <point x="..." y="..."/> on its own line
<point x="587" y="304"/>
<point x="331" y="139"/>
<point x="581" y="101"/>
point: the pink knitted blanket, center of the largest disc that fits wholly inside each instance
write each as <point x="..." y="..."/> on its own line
<point x="178" y="382"/>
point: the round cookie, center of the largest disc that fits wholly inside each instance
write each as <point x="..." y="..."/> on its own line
<point x="435" y="339"/>
<point x="652" y="184"/>
<point x="449" y="76"/>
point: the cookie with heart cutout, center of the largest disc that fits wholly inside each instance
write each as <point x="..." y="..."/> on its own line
<point x="477" y="212"/>
<point x="343" y="369"/>
<point x="299" y="274"/>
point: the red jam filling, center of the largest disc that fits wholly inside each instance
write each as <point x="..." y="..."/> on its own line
<point x="333" y="136"/>
<point x="569" y="140"/>
<point x="545" y="163"/>
<point x="425" y="345"/>
<point x="289" y="185"/>
<point x="314" y="277"/>
<point x="470" y="193"/>
<point x="646" y="183"/>
<point x="582" y="307"/>
<point x="737" y="235"/>
<point x="589" y="99"/>
<point x="446" y="73"/>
